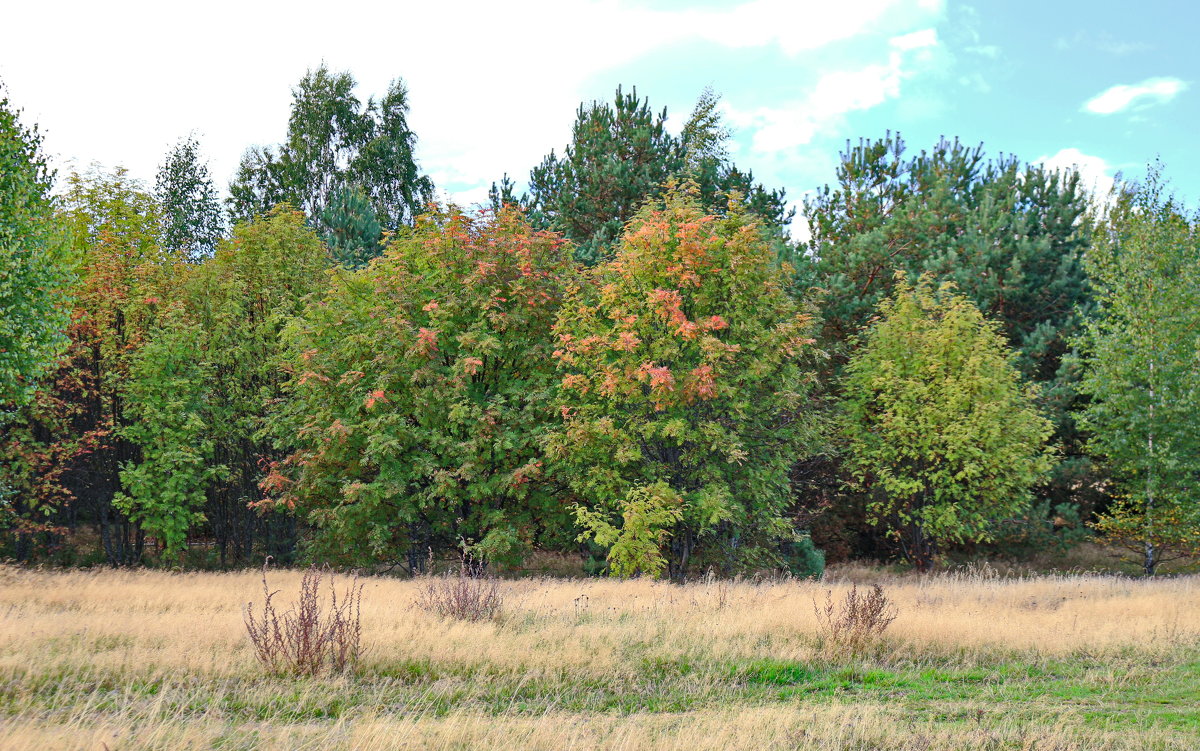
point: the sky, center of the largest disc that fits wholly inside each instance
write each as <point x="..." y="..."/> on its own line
<point x="1104" y="86"/>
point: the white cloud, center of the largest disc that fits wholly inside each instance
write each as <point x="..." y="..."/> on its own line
<point x="835" y="94"/>
<point x="1095" y="173"/>
<point x="493" y="86"/>
<point x="1139" y="95"/>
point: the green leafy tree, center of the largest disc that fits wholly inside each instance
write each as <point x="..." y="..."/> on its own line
<point x="192" y="218"/>
<point x="1141" y="352"/>
<point x="204" y="386"/>
<point x="421" y="386"/>
<point x="72" y="438"/>
<point x="939" y="426"/>
<point x="164" y="491"/>
<point x="683" y="369"/>
<point x="1009" y="236"/>
<point x="706" y="162"/>
<point x="35" y="270"/>
<point x="338" y="148"/>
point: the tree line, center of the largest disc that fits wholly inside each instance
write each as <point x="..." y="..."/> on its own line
<point x="632" y="362"/>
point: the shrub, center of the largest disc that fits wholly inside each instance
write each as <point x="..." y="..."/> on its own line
<point x="303" y="639"/>
<point x="804" y="560"/>
<point x="849" y="628"/>
<point x="468" y="595"/>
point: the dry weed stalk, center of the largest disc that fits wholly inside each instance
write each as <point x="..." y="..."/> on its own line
<point x="849" y="628"/>
<point x="466" y="596"/>
<point x="303" y="640"/>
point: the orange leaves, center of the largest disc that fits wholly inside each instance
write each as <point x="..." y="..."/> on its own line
<point x="427" y="341"/>
<point x="627" y="341"/>
<point x="471" y="365"/>
<point x="575" y="382"/>
<point x="312" y="375"/>
<point x="715" y="323"/>
<point x="373" y="398"/>
<point x="701" y="385"/>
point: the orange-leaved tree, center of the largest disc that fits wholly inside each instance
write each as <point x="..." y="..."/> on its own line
<point x="421" y="387"/>
<point x="683" y="393"/>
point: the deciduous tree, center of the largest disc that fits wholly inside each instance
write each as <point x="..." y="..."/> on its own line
<point x="1141" y="354"/>
<point x="34" y="267"/>
<point x="684" y="368"/>
<point x="420" y="388"/>
<point x="940" y="428"/>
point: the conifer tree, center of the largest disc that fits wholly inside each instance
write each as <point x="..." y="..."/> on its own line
<point x="619" y="155"/>
<point x="1009" y="236"/>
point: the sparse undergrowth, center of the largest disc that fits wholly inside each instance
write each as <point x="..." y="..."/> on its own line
<point x="972" y="662"/>
<point x="310" y="637"/>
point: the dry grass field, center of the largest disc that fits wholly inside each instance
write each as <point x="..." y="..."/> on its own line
<point x="124" y="660"/>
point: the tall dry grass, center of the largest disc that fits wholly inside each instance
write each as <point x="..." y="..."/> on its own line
<point x="147" y="659"/>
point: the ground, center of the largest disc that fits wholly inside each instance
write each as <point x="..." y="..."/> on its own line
<point x="125" y="660"/>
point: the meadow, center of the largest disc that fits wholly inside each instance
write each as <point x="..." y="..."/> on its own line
<point x="140" y="659"/>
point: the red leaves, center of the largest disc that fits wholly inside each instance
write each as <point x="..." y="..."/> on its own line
<point x="627" y="341"/>
<point x="373" y="398"/>
<point x="427" y="341"/>
<point x="471" y="365"/>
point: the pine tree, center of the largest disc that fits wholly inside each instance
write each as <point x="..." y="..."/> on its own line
<point x="619" y="155"/>
<point x="1009" y="236"/>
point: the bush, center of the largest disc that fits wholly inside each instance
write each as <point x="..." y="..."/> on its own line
<point x="804" y="560"/>
<point x="468" y="595"/>
<point x="849" y="628"/>
<point x="300" y="640"/>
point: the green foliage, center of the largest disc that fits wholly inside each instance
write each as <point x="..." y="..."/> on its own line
<point x="648" y="513"/>
<point x="707" y="163"/>
<point x="938" y="423"/>
<point x="68" y="447"/>
<point x="1009" y="237"/>
<point x="34" y="268"/>
<point x="1038" y="530"/>
<point x="421" y="386"/>
<point x="339" y="150"/>
<point x="191" y="212"/>
<point x="804" y="560"/>
<point x="165" y="490"/>
<point x="353" y="232"/>
<point x="682" y="363"/>
<point x="1142" y="355"/>
<point x="201" y="388"/>
<point x="620" y="156"/>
